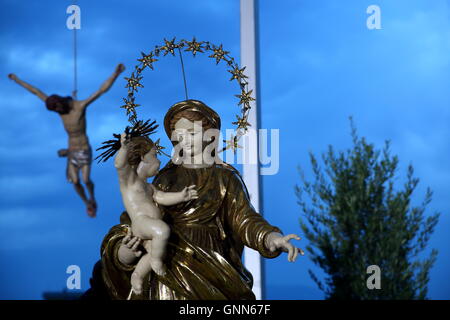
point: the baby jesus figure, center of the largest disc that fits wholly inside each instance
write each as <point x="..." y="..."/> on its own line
<point x="135" y="162"/>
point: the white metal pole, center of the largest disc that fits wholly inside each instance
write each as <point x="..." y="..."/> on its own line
<point x="252" y="258"/>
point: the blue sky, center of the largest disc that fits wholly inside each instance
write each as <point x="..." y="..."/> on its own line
<point x="319" y="64"/>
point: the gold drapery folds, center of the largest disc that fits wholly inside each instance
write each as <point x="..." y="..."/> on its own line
<point x="208" y="235"/>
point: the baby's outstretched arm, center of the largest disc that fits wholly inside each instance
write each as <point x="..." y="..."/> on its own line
<point x="121" y="160"/>
<point x="172" y="198"/>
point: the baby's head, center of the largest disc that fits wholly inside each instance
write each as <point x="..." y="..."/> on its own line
<point x="142" y="157"/>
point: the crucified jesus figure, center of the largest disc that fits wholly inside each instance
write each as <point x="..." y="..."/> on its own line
<point x="79" y="152"/>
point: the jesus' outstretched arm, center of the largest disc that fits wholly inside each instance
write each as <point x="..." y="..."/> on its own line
<point x="28" y="86"/>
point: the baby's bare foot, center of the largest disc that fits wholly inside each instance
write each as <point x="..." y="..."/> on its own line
<point x="158" y="267"/>
<point x="136" y="282"/>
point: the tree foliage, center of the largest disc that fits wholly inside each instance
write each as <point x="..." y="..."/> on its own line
<point x="354" y="217"/>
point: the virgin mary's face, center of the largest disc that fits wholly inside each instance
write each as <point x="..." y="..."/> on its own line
<point x="190" y="136"/>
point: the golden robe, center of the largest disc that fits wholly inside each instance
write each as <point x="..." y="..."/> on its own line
<point x="208" y="235"/>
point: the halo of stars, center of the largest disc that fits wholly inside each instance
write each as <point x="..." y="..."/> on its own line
<point x="194" y="46"/>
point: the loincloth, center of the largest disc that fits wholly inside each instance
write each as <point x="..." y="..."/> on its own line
<point x="78" y="158"/>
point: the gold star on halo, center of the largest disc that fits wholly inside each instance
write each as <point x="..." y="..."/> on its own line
<point x="133" y="82"/>
<point x="147" y="60"/>
<point x="169" y="46"/>
<point x="219" y="54"/>
<point x="129" y="105"/>
<point x="194" y="46"/>
<point x="159" y="148"/>
<point x="237" y="74"/>
<point x="245" y="98"/>
<point x="242" y="123"/>
<point x="232" y="144"/>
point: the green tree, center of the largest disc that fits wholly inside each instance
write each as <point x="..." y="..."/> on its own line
<point x="353" y="218"/>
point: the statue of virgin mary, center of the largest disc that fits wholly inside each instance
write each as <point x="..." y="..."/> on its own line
<point x="208" y="234"/>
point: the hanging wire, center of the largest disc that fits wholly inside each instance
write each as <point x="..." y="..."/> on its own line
<point x="184" y="75"/>
<point x="75" y="61"/>
<point x="75" y="74"/>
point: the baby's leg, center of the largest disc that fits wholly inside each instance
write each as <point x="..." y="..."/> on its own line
<point x="143" y="268"/>
<point x="158" y="246"/>
<point x="157" y="230"/>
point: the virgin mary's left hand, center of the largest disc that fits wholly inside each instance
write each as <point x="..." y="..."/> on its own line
<point x="277" y="241"/>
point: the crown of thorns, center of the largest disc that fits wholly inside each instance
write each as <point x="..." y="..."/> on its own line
<point x="237" y="74"/>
